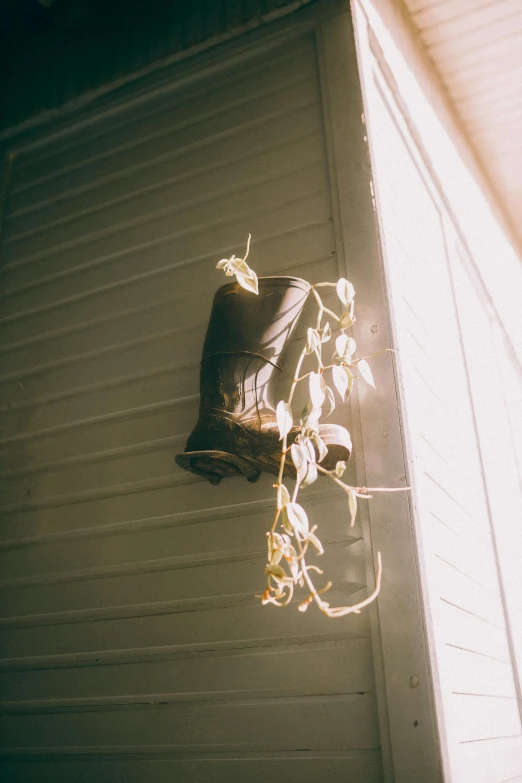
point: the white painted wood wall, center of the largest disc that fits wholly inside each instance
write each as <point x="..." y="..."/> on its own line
<point x="461" y="403"/>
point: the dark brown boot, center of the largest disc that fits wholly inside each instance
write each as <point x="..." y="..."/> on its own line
<point x="243" y="354"/>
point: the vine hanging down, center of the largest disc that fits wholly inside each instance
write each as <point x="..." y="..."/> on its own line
<point x="291" y="538"/>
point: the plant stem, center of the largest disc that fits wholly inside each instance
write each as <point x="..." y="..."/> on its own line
<point x="285" y="440"/>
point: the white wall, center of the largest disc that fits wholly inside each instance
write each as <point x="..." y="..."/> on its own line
<point x="455" y="284"/>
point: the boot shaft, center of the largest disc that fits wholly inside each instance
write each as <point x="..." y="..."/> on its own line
<point x="245" y="346"/>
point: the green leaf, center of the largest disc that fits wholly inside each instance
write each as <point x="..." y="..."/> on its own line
<point x="306" y="412"/>
<point x="285" y="495"/>
<point x="276" y="557"/>
<point x="311" y="423"/>
<point x="294" y="568"/>
<point x="330" y="399"/>
<point x="313" y="340"/>
<point x="317" y="389"/>
<point x="340" y="468"/>
<point x="345" y="347"/>
<point x="284" y="418"/>
<point x="224" y="261"/>
<point x="298" y="518"/>
<point x="308" y="450"/>
<point x="315" y="542"/>
<point x="311" y="475"/>
<point x="365" y="371"/>
<point x="321" y="447"/>
<point x="350" y="349"/>
<point x="302" y="471"/>
<point x="345" y="291"/>
<point x="275" y="541"/>
<point x="297" y="456"/>
<point x="340" y="344"/>
<point x="340" y="380"/>
<point x="326" y="333"/>
<point x="277" y="572"/>
<point x="247" y="280"/>
<point x="286" y="522"/>
<point x="346" y="320"/>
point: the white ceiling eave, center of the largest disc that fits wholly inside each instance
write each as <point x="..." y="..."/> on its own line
<point x="476" y="47"/>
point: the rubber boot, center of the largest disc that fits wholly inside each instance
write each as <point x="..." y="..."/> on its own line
<point x="243" y="355"/>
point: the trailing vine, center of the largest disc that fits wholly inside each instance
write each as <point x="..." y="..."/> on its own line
<point x="287" y="563"/>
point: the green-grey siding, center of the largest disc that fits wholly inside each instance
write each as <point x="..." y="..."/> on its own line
<point x="132" y="644"/>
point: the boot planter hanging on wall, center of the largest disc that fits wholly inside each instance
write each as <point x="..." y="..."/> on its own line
<point x="243" y="356"/>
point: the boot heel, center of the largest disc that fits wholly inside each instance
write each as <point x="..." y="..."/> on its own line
<point x="217" y="465"/>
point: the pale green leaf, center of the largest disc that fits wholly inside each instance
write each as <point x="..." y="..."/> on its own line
<point x="349" y="349"/>
<point x="297" y="455"/>
<point x="308" y="449"/>
<point x="345" y="291"/>
<point x="276" y="557"/>
<point x="302" y="471"/>
<point x="345" y="347"/>
<point x="306" y="412"/>
<point x="286" y="522"/>
<point x="275" y="540"/>
<point x="284" y="418"/>
<point x="330" y="400"/>
<point x="346" y="321"/>
<point x="222" y="264"/>
<point x="277" y="572"/>
<point x="285" y="495"/>
<point x="313" y="340"/>
<point x="365" y="372"/>
<point x="340" y="380"/>
<point x="311" y="424"/>
<point x="340" y="344"/>
<point x="340" y="468"/>
<point x="294" y="568"/>
<point x="298" y="518"/>
<point x="248" y="281"/>
<point x="311" y="475"/>
<point x="321" y="447"/>
<point x="317" y="389"/>
<point x="315" y="542"/>
<point x="326" y="333"/>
